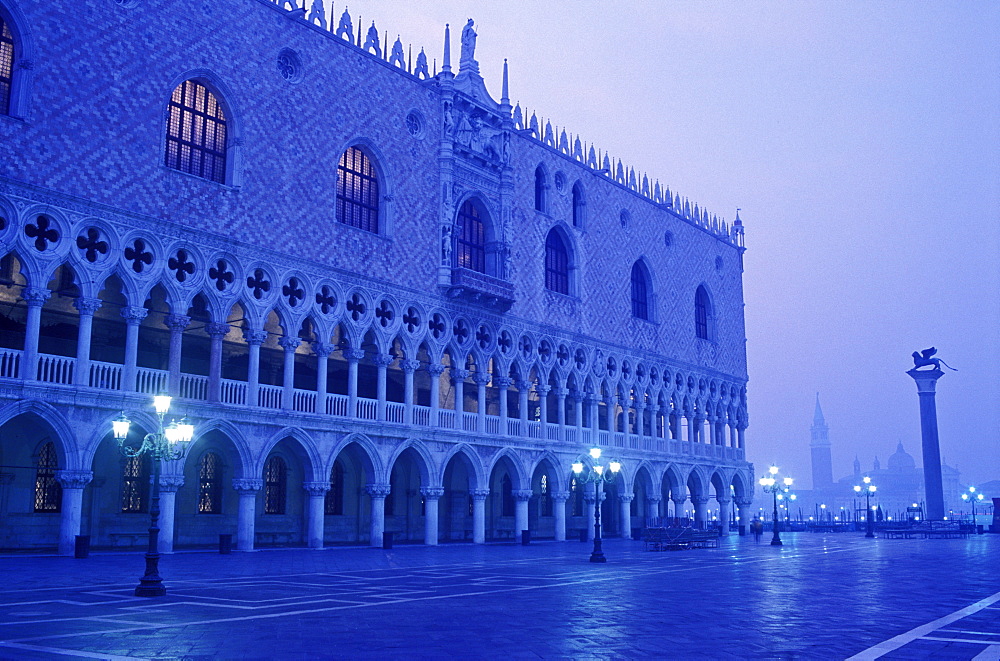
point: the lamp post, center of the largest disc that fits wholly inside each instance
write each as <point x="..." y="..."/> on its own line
<point x="770" y="484"/>
<point x="598" y="475"/>
<point x="973" y="497"/>
<point x="869" y="489"/>
<point x="165" y="444"/>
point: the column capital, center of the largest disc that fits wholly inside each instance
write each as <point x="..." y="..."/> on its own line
<point x="377" y="490"/>
<point x="322" y="349"/>
<point x="481" y="378"/>
<point x="679" y="500"/>
<point x="744" y="502"/>
<point x="382" y="359"/>
<point x="522" y="494"/>
<point x="409" y="366"/>
<point x="316" y="488"/>
<point x="578" y="396"/>
<point x="254" y="336"/>
<point x="502" y="382"/>
<point x="353" y="355"/>
<point x="248" y="485"/>
<point x="86" y="305"/>
<point x="559" y="391"/>
<point x="217" y="330"/>
<point x="431" y="493"/>
<point x="479" y="494"/>
<point x="458" y="374"/>
<point x="435" y="369"/>
<point x="654" y="499"/>
<point x="626" y="498"/>
<point x="35" y="297"/>
<point x="926" y="379"/>
<point x="70" y="479"/>
<point x="560" y="496"/>
<point x="289" y="342"/>
<point x="700" y="500"/>
<point x="133" y="314"/>
<point x="171" y="483"/>
<point x="543" y="389"/>
<point x="176" y="322"/>
<point x="523" y="386"/>
<point x="724" y="502"/>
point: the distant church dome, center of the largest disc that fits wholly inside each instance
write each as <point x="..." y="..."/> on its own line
<point x="901" y="461"/>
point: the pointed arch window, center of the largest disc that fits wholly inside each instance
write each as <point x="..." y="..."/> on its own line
<point x="357" y="191"/>
<point x="196" y="132"/>
<point x="334" y="504"/>
<point x="539" y="189"/>
<point x="576" y="497"/>
<point x="6" y="66"/>
<point x="506" y="497"/>
<point x="702" y="314"/>
<point x="210" y="484"/>
<point x="48" y="491"/>
<point x="275" y="485"/>
<point x="556" y="264"/>
<point x="470" y="245"/>
<point x="545" y="497"/>
<point x="577" y="205"/>
<point x="640" y="292"/>
<point x="135" y="484"/>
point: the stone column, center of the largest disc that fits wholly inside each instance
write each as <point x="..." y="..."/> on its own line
<point x="543" y="407"/>
<point x="169" y="484"/>
<point x="246" y="518"/>
<point x="502" y="383"/>
<point x="588" y="507"/>
<point x="481" y="379"/>
<point x="458" y="377"/>
<point x="521" y="512"/>
<point x="653" y="507"/>
<point x="926" y="381"/>
<point x="73" y="483"/>
<point x="679" y="506"/>
<point x="432" y="496"/>
<point x="561" y="410"/>
<point x="609" y="410"/>
<point x="377" y="493"/>
<point x="592" y="412"/>
<point x="315" y="511"/>
<point x="724" y="504"/>
<point x="700" y="511"/>
<point x="289" y="343"/>
<point x="86" y="307"/>
<point x="559" y="499"/>
<point x="409" y="367"/>
<point x="640" y="411"/>
<point x="522" y="405"/>
<point x="741" y="434"/>
<point x="578" y="399"/>
<point x="133" y="316"/>
<point x="176" y="323"/>
<point x="479" y="515"/>
<point x="743" y="511"/>
<point x="382" y="362"/>
<point x="35" y="298"/>
<point x="626" y="505"/>
<point x="254" y="338"/>
<point x="322" y="351"/>
<point x="215" y="332"/>
<point x="435" y="370"/>
<point x="353" y="356"/>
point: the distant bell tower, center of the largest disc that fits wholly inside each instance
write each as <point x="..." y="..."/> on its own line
<point x="822" y="464"/>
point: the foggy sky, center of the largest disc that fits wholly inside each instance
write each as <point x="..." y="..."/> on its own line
<point x="860" y="140"/>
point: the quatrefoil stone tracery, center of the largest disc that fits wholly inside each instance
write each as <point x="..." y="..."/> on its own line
<point x="91" y="245"/>
<point x="181" y="265"/>
<point x="42" y="232"/>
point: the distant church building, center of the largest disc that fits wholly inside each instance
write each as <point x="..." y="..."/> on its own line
<point x="386" y="301"/>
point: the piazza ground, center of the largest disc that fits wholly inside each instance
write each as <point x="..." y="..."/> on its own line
<point x="818" y="596"/>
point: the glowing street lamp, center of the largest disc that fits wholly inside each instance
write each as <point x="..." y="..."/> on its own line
<point x="165" y="444"/>
<point x="869" y="489"/>
<point x="597" y="474"/>
<point x="972" y="497"/>
<point x="771" y="484"/>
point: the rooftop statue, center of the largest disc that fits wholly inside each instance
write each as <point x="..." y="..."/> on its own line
<point x="924" y="359"/>
<point x="468" y="45"/>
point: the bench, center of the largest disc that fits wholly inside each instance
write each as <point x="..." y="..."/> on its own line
<point x="128" y="539"/>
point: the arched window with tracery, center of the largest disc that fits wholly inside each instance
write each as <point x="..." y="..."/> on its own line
<point x="506" y="496"/>
<point x="576" y="497"/>
<point x="135" y="484"/>
<point x="334" y="504"/>
<point x="275" y="485"/>
<point x="470" y="245"/>
<point x="556" y="263"/>
<point x="544" y="497"/>
<point x="357" y="191"/>
<point x="539" y="188"/>
<point x="210" y="484"/>
<point x="196" y="132"/>
<point x="703" y="316"/>
<point x="640" y="292"/>
<point x="48" y="491"/>
<point x="6" y="66"/>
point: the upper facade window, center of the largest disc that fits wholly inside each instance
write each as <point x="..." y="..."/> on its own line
<point x="470" y="245"/>
<point x="556" y="264"/>
<point x="539" y="189"/>
<point x="196" y="132"/>
<point x="703" y="317"/>
<point x="357" y="191"/>
<point x="640" y="292"/>
<point x="6" y="66"/>
<point x="577" y="205"/>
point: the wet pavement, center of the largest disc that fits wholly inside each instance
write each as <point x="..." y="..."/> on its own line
<point x="820" y="596"/>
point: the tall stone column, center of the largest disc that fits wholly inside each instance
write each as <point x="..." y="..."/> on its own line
<point x="559" y="499"/>
<point x="382" y="362"/>
<point x="521" y="512"/>
<point x="653" y="507"/>
<point x="679" y="506"/>
<point x="724" y="504"/>
<point x="522" y="405"/>
<point x="253" y="338"/>
<point x="561" y="410"/>
<point x="216" y="332"/>
<point x="246" y="517"/>
<point x="626" y="505"/>
<point x="86" y="307"/>
<point x="353" y="356"/>
<point x="743" y="511"/>
<point x="409" y="367"/>
<point x="432" y="496"/>
<point x="700" y="511"/>
<point x="640" y="412"/>
<point x="289" y="343"/>
<point x="502" y="383"/>
<point x="578" y="399"/>
<point x="315" y="511"/>
<point x="926" y="381"/>
<point x="176" y="323"/>
<point x="73" y="483"/>
<point x="481" y="378"/>
<point x="458" y="377"/>
<point x="479" y="515"/>
<point x="435" y="370"/>
<point x="133" y="316"/>
<point x="543" y="407"/>
<point x="169" y="484"/>
<point x="322" y="351"/>
<point x="35" y="298"/>
<point x="609" y="409"/>
<point x="377" y="494"/>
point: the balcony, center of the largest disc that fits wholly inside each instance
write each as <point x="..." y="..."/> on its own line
<point x="481" y="289"/>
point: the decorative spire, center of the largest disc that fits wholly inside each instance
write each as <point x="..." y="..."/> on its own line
<point x="504" y="95"/>
<point x="446" y="63"/>
<point x="818" y="419"/>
